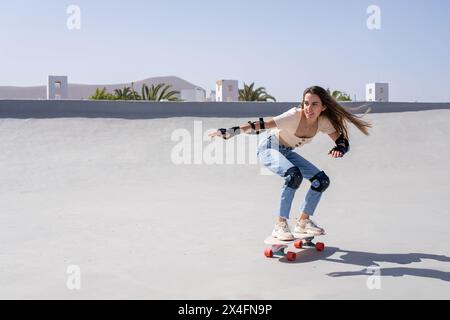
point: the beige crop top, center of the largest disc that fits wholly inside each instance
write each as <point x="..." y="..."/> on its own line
<point x="288" y="122"/>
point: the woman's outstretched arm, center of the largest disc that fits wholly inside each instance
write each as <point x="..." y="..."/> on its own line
<point x="249" y="128"/>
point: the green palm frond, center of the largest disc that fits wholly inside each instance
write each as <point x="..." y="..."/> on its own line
<point x="251" y="94"/>
<point x="339" y="95"/>
<point x="159" y="92"/>
<point x="102" y="94"/>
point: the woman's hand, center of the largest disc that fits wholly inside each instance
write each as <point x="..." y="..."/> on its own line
<point x="342" y="145"/>
<point x="216" y="133"/>
<point x="226" y="133"/>
<point x="336" y="154"/>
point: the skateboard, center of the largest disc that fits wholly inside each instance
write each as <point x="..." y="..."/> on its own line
<point x="301" y="240"/>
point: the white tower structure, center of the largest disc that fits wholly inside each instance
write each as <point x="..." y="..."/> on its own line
<point x="227" y="91"/>
<point x="377" y="92"/>
<point x="57" y="88"/>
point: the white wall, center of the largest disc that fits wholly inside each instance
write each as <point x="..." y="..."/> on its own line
<point x="43" y="109"/>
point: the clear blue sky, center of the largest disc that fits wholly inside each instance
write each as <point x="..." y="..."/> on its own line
<point x="283" y="45"/>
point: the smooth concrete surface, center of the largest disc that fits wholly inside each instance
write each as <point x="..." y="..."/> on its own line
<point x="110" y="197"/>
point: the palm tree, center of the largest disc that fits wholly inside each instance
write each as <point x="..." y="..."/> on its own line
<point x="124" y="94"/>
<point x="101" y="94"/>
<point x="339" y="95"/>
<point x="154" y="93"/>
<point x="134" y="94"/>
<point x="250" y="94"/>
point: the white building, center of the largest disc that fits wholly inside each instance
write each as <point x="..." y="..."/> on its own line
<point x="193" y="95"/>
<point x="227" y="91"/>
<point x="57" y="88"/>
<point x="212" y="96"/>
<point x="377" y="92"/>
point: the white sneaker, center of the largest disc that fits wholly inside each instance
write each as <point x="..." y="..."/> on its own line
<point x="282" y="232"/>
<point x="308" y="226"/>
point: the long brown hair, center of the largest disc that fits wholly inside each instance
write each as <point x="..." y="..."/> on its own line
<point x="337" y="114"/>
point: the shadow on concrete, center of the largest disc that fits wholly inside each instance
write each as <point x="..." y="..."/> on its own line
<point x="368" y="260"/>
<point x="397" y="272"/>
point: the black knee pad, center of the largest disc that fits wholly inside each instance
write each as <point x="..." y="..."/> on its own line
<point x="295" y="178"/>
<point x="320" y="182"/>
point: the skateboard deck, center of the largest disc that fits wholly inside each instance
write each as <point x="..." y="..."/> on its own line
<point x="301" y="240"/>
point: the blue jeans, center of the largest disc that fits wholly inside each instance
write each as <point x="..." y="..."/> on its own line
<point x="278" y="159"/>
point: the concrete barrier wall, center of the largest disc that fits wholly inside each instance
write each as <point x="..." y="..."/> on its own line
<point x="44" y="109"/>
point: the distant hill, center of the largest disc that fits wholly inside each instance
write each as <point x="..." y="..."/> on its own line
<point x="84" y="91"/>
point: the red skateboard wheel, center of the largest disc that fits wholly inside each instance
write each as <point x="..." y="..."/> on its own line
<point x="291" y="256"/>
<point x="268" y="253"/>
<point x="320" y="246"/>
<point x="298" y="244"/>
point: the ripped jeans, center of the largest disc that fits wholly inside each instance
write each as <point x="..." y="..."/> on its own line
<point x="279" y="159"/>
